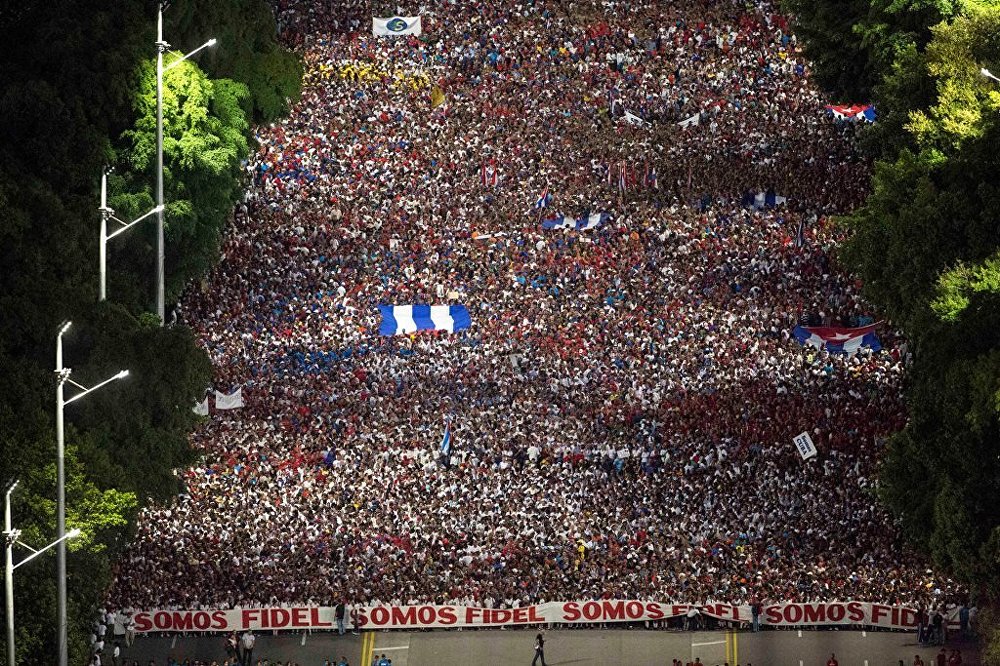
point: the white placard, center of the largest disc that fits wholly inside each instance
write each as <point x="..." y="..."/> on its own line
<point x="804" y="444"/>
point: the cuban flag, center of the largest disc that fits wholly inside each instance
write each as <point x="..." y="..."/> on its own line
<point x="544" y="200"/>
<point x="446" y="440"/>
<point x="613" y="96"/>
<point x="651" y="178"/>
<point x="838" y="340"/>
<point x="488" y="174"/>
<point x="864" y="112"/>
<point x="402" y="319"/>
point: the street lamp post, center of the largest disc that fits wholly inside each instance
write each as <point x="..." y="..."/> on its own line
<point x="109" y="214"/>
<point x="10" y="538"/>
<point x="8" y="572"/>
<point x="161" y="48"/>
<point x="985" y="72"/>
<point x="62" y="377"/>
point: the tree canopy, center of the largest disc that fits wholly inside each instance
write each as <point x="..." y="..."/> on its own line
<point x="927" y="246"/>
<point x="78" y="95"/>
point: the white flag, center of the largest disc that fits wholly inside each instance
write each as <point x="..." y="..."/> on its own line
<point x="233" y="401"/>
<point x="633" y="119"/>
<point x="693" y="120"/>
<point x="804" y="444"/>
<point x="397" y="25"/>
<point x="201" y="408"/>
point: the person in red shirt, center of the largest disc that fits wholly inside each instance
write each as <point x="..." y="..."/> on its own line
<point x="832" y="661"/>
<point x="917" y="661"/>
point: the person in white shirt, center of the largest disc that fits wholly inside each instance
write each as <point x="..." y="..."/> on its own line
<point x="247" y="642"/>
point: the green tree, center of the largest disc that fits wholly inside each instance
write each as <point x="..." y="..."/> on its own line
<point x="75" y="77"/>
<point x="852" y="45"/>
<point x="247" y="50"/>
<point x="204" y="142"/>
<point x="927" y="244"/>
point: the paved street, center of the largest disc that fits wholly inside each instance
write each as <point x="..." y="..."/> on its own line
<point x="579" y="647"/>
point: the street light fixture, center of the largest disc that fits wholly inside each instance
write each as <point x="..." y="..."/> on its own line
<point x="985" y="72"/>
<point x="62" y="377"/>
<point x="109" y="214"/>
<point x="11" y="536"/>
<point x="161" y="48"/>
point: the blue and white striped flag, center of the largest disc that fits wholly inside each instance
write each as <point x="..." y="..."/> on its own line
<point x="400" y="319"/>
<point x="581" y="224"/>
<point x="446" y="440"/>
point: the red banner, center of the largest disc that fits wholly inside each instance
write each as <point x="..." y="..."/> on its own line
<point x="570" y="612"/>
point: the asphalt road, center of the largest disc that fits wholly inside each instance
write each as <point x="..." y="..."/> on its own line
<point x="579" y="647"/>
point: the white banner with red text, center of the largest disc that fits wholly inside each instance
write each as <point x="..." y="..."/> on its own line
<point x="569" y="612"/>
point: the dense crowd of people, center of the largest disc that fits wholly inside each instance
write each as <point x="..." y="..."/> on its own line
<point x="621" y="410"/>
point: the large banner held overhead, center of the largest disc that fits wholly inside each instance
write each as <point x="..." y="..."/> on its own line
<point x="857" y="613"/>
<point x="397" y="25"/>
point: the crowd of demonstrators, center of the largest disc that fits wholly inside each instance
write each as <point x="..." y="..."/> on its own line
<point x="622" y="407"/>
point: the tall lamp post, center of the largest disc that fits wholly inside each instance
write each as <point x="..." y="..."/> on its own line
<point x="109" y="214"/>
<point x="62" y="377"/>
<point x="11" y="536"/>
<point x="161" y="48"/>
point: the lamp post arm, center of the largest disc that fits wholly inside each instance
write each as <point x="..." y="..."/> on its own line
<point x="68" y="535"/>
<point x="79" y="395"/>
<point x="134" y="222"/>
<point x="210" y="42"/>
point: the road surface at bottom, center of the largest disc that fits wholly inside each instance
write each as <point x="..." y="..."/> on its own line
<point x="579" y="647"/>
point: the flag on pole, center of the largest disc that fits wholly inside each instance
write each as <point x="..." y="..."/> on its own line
<point x="437" y="97"/>
<point x="446" y="440"/>
<point x="488" y="173"/>
<point x="649" y="178"/>
<point x="800" y="233"/>
<point x="544" y="200"/>
<point x="613" y="95"/>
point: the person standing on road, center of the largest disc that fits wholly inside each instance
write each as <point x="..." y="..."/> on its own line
<point x="832" y="661"/>
<point x="539" y="650"/>
<point x="340" y="613"/>
<point x="233" y="646"/>
<point x="756" y="608"/>
<point x="247" y="642"/>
